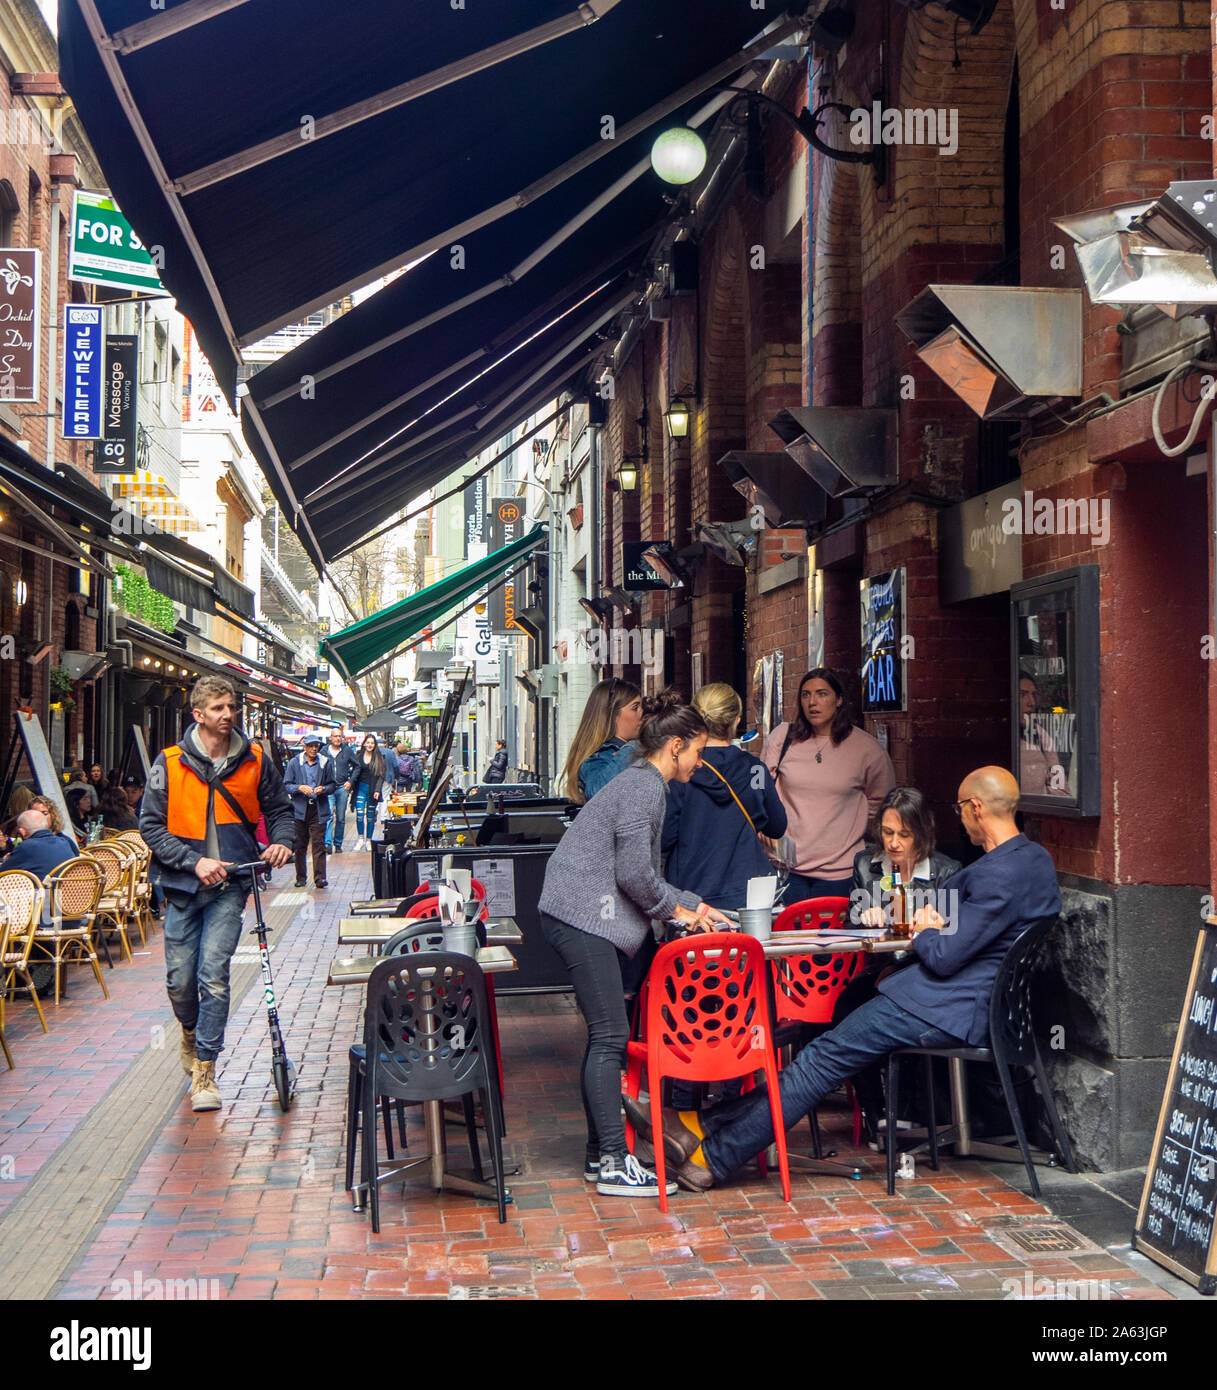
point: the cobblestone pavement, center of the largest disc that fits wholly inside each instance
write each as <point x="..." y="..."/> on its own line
<point x="109" y="1181"/>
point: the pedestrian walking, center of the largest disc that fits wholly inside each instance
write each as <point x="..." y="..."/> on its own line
<point x="310" y="783"/>
<point x="366" y="784"/>
<point x="497" y="771"/>
<point x="344" y="758"/>
<point x="203" y="799"/>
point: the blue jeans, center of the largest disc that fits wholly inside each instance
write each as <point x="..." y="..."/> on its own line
<point x="739" y="1130"/>
<point x="335" y="827"/>
<point x="200" y="939"/>
<point x="365" y="812"/>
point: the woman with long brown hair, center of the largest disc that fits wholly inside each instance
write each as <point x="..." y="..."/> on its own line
<point x="603" y="886"/>
<point x="367" y="778"/>
<point x="603" y="743"/>
<point x="832" y="778"/>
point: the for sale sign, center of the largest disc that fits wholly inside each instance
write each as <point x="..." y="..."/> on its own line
<point x="83" y="371"/>
<point x="20" y="303"/>
<point x="105" y="249"/>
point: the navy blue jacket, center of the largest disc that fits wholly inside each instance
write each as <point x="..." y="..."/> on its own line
<point x="344" y="762"/>
<point x="613" y="756"/>
<point x="1000" y="895"/>
<point x="293" y="776"/>
<point x="40" y="853"/>
<point x="711" y="849"/>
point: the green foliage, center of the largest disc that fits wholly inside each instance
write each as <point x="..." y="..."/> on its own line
<point x="136" y="596"/>
<point x="61" y="683"/>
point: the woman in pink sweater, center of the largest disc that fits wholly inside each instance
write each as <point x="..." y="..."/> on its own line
<point x="832" y="777"/>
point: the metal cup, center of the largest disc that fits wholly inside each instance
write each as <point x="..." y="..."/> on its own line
<point x="463" y="940"/>
<point x="757" y="922"/>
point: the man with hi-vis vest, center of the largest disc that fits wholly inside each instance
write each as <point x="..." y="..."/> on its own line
<point x="200" y="812"/>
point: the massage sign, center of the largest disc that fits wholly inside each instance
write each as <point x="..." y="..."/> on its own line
<point x="116" y="453"/>
<point x="20" y="304"/>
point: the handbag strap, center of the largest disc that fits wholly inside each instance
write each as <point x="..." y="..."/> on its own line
<point x="735" y="798"/>
<point x="789" y="739"/>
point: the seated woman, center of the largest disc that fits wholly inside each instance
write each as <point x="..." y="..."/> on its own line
<point x="116" y="813"/>
<point x="906" y="834"/>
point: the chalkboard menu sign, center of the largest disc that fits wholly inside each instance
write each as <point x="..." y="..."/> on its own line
<point x="1176" y="1217"/>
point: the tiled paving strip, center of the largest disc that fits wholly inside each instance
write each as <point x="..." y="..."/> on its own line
<point x="43" y="1230"/>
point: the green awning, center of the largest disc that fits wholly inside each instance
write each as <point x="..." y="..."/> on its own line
<point x="364" y="643"/>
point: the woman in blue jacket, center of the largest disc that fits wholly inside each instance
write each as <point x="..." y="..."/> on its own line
<point x="710" y="832"/>
<point x="603" y="744"/>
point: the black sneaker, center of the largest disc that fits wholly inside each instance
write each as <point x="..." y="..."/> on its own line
<point x="591" y="1170"/>
<point x="321" y="883"/>
<point x="302" y="883"/>
<point x="627" y="1178"/>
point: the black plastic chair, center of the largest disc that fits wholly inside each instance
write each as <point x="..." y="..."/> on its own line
<point x="420" y="936"/>
<point x="1011" y="1043"/>
<point x="427" y="1037"/>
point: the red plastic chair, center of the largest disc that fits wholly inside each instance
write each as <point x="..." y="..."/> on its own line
<point x="477" y="889"/>
<point x="708" y="1019"/>
<point x="806" y="988"/>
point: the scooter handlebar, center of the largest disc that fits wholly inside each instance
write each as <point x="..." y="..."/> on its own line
<point x="257" y="866"/>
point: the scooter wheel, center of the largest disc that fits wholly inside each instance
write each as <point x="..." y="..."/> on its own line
<point x="283" y="1082"/>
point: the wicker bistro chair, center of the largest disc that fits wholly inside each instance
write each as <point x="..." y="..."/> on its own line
<point x="21" y="893"/>
<point x="4" y="935"/>
<point x="114" y="909"/>
<point x="74" y="890"/>
<point x="141" y="883"/>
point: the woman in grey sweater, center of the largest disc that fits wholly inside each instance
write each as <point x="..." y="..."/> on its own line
<point x="602" y="887"/>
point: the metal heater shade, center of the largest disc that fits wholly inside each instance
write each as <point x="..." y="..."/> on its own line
<point x="1031" y="338"/>
<point x="1125" y="268"/>
<point x="773" y="482"/>
<point x="846" y="450"/>
<point x="731" y="541"/>
<point x="1099" y="222"/>
<point x="674" y="567"/>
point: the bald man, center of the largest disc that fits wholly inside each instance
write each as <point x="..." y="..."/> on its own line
<point x="940" y="1001"/>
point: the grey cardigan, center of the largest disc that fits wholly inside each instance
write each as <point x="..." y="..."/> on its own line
<point x="604" y="877"/>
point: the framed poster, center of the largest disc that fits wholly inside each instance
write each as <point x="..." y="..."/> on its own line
<point x="883" y="646"/>
<point x="1054" y="660"/>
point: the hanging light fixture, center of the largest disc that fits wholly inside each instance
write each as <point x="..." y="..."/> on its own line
<point x="678" y="155"/>
<point x="627" y="476"/>
<point x="676" y="418"/>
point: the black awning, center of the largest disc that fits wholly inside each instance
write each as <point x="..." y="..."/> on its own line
<point x="253" y="242"/>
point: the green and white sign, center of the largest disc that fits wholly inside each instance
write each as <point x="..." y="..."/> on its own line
<point x="105" y="249"/>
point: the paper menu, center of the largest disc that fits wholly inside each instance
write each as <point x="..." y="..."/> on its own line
<point x="762" y="891"/>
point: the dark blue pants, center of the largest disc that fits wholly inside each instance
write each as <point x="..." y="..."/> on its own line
<point x="799" y="888"/>
<point x="739" y="1130"/>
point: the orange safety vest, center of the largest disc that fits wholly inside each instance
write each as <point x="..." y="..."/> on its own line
<point x="187" y="796"/>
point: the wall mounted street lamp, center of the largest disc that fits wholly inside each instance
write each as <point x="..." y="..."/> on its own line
<point x="676" y="417"/>
<point x="627" y="476"/>
<point x="671" y="169"/>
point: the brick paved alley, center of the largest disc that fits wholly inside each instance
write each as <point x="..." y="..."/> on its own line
<point x="113" y="1182"/>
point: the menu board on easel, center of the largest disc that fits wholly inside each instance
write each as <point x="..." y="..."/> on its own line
<point x="1176" y="1218"/>
<point x="38" y="755"/>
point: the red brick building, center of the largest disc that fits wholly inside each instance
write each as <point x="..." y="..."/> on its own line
<point x="798" y="286"/>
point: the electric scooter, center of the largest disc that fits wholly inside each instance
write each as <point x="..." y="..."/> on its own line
<point x="283" y="1069"/>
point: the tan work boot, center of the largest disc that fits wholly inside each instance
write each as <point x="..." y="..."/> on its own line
<point x="187" y="1051"/>
<point x="204" y="1093"/>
